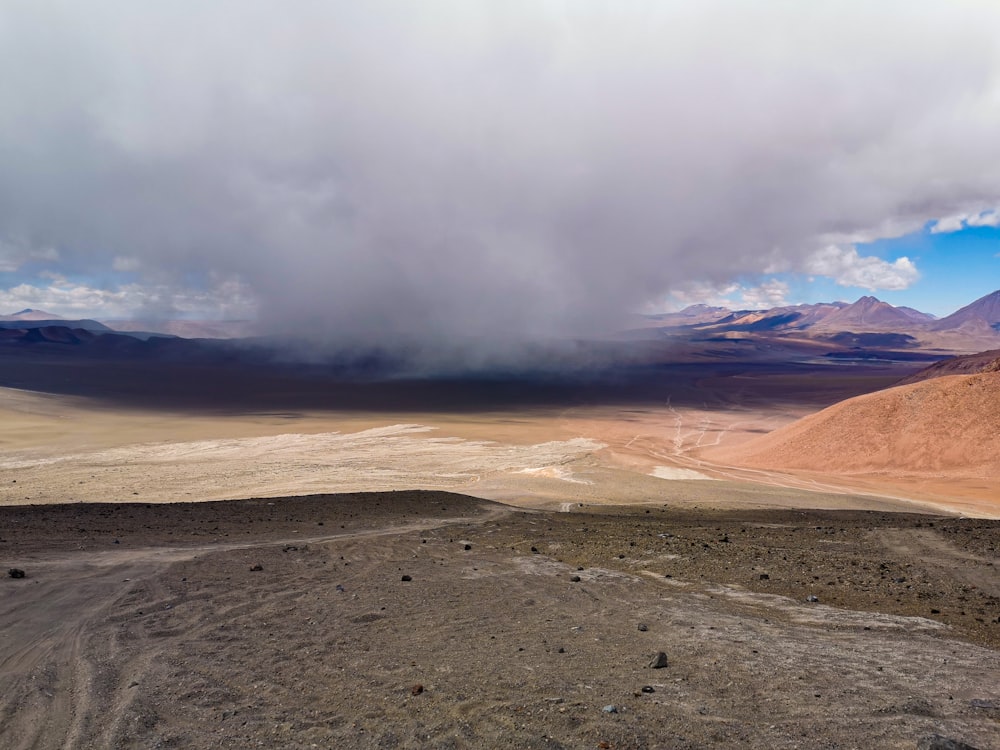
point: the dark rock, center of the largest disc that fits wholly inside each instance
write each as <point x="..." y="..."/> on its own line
<point x="15" y="573"/>
<point x="406" y="578"/>
<point x="659" y="661"/>
<point x="416" y="689"/>
<point x="648" y="689"/>
<point x="937" y="742"/>
<point x="811" y="598"/>
<point x="534" y="550"/>
<point x="575" y="579"/>
<point x="765" y="577"/>
<point x="467" y="547"/>
<point x="643" y="627"/>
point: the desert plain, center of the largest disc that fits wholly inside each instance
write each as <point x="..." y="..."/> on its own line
<point x="278" y="562"/>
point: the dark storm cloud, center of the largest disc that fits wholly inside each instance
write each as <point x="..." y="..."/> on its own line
<point x="431" y="172"/>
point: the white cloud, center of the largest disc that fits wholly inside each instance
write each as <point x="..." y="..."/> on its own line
<point x="845" y="266"/>
<point x="225" y="299"/>
<point x="957" y="222"/>
<point x="772" y="293"/>
<point x="949" y="224"/>
<point x="768" y="294"/>
<point x="985" y="219"/>
<point x="696" y="293"/>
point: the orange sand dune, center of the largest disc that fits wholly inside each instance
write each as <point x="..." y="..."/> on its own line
<point x="942" y="426"/>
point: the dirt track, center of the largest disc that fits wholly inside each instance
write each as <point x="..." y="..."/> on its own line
<point x="144" y="626"/>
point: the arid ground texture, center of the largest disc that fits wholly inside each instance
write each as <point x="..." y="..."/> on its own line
<point x="497" y="578"/>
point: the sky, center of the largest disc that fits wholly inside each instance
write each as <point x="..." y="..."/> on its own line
<point x="420" y="174"/>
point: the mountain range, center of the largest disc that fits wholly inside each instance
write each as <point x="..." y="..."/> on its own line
<point x="868" y="320"/>
<point x="867" y="327"/>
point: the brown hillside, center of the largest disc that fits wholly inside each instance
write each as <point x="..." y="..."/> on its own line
<point x="968" y="364"/>
<point x="947" y="424"/>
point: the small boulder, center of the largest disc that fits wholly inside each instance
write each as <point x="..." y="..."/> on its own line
<point x="406" y="578"/>
<point x="659" y="661"/>
<point x="643" y="627"/>
<point x="15" y="573"/>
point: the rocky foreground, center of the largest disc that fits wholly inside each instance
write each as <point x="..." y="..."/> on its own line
<point x="417" y="619"/>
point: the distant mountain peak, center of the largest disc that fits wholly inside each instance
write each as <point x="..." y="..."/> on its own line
<point x="986" y="310"/>
<point x="871" y="313"/>
<point x="30" y="313"/>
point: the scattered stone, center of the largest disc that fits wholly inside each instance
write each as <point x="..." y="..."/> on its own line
<point x="765" y="577"/>
<point x="812" y="599"/>
<point x="938" y="742"/>
<point x="416" y="689"/>
<point x="15" y="573"/>
<point x="467" y="547"/>
<point x="256" y="568"/>
<point x="648" y="689"/>
<point x="534" y="550"/>
<point x="575" y="579"/>
<point x="643" y="627"/>
<point x="659" y="661"/>
<point x="406" y="578"/>
<point x="341" y="588"/>
<point x="561" y="650"/>
<point x="610" y="709"/>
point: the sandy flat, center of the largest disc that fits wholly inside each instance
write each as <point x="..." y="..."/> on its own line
<point x="59" y="449"/>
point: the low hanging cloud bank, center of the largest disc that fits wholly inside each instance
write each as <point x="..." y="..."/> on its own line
<point x="435" y="175"/>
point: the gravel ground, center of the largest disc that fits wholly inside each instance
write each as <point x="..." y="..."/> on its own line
<point x="288" y="623"/>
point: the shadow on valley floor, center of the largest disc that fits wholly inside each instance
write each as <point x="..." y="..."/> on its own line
<point x="244" y="385"/>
